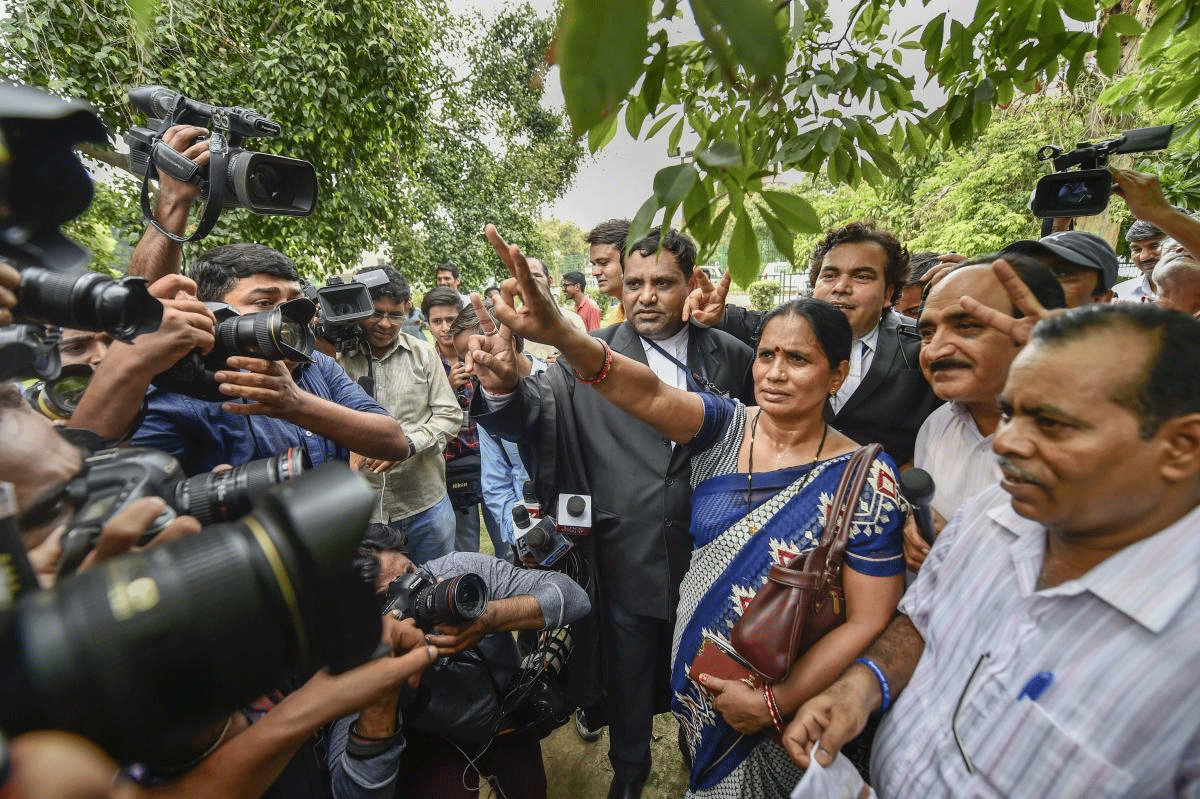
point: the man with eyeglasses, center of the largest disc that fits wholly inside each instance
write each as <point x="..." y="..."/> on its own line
<point x="409" y="381"/>
<point x="1049" y="646"/>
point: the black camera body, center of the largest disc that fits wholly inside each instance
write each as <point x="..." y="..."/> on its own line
<point x="280" y="334"/>
<point x="417" y="595"/>
<point x="1085" y="191"/>
<point x="342" y="305"/>
<point x="42" y="185"/>
<point x="112" y="479"/>
<point x="235" y="177"/>
<point x="29" y="351"/>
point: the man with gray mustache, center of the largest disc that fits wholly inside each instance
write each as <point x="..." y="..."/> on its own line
<point x="1048" y="647"/>
<point x="966" y="363"/>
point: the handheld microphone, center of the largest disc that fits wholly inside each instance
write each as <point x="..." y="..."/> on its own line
<point x="918" y="489"/>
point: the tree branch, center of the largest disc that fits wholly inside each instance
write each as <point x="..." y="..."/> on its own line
<point x="106" y="155"/>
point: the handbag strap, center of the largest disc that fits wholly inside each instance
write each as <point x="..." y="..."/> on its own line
<point x="840" y="517"/>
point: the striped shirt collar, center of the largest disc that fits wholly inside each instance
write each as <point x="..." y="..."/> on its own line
<point x="1149" y="581"/>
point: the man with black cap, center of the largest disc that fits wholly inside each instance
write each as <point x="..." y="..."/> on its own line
<point x="1084" y="264"/>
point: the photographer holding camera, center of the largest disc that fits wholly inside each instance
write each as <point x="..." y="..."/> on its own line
<point x="274" y="404"/>
<point x="245" y="759"/>
<point x="469" y="693"/>
<point x="409" y="381"/>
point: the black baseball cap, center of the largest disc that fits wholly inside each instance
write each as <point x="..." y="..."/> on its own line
<point x="1075" y="247"/>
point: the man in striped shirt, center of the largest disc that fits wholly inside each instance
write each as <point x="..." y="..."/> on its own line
<point x="1048" y="648"/>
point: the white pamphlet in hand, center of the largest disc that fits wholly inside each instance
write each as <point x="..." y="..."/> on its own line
<point x="840" y="780"/>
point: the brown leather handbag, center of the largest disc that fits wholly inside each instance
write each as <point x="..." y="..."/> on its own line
<point x="803" y="599"/>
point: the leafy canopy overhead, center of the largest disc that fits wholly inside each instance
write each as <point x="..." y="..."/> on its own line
<point x="422" y="126"/>
<point x="775" y="86"/>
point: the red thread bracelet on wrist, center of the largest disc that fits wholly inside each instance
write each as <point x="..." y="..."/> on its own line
<point x="603" y="373"/>
<point x="773" y="708"/>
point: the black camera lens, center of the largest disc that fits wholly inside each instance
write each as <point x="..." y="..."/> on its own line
<point x="222" y="496"/>
<point x="139" y="652"/>
<point x="270" y="184"/>
<point x="457" y="600"/>
<point x="88" y="301"/>
<point x="57" y="399"/>
<point x="266" y="185"/>
<point x="280" y="334"/>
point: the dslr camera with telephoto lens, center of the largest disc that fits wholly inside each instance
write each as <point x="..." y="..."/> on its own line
<point x="280" y="334"/>
<point x="417" y="595"/>
<point x="43" y="184"/>
<point x="111" y="479"/>
<point x="141" y="652"/>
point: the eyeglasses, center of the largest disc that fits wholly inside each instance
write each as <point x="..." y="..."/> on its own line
<point x="394" y="316"/>
<point x="958" y="708"/>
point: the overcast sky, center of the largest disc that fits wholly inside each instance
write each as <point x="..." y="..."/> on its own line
<point x="618" y="179"/>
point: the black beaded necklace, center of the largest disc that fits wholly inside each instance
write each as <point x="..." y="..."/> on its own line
<point x="750" y="465"/>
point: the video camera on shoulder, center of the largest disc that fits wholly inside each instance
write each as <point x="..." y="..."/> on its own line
<point x="112" y="479"/>
<point x="43" y="184"/>
<point x="419" y="596"/>
<point x="1085" y="192"/>
<point x="235" y="177"/>
<point x="341" y="305"/>
<point x="280" y="334"/>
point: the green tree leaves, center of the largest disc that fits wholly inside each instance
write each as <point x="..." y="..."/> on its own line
<point x="748" y="26"/>
<point x="422" y="126"/>
<point x="744" y="261"/>
<point x="775" y="87"/>
<point x="601" y="45"/>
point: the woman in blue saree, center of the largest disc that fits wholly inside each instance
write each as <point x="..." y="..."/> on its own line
<point x="763" y="478"/>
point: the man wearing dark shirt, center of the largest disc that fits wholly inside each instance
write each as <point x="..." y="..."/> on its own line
<point x="274" y="405"/>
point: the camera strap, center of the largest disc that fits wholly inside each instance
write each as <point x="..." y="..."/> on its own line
<point x="218" y="158"/>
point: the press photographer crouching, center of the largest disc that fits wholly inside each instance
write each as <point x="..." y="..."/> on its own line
<point x="477" y="706"/>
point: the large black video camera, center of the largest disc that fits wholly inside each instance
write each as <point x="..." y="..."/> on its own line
<point x="341" y="305"/>
<point x="42" y="185"/>
<point x="235" y="177"/>
<point x="141" y="651"/>
<point x="1085" y="192"/>
<point x="280" y="334"/>
<point x="113" y="478"/>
